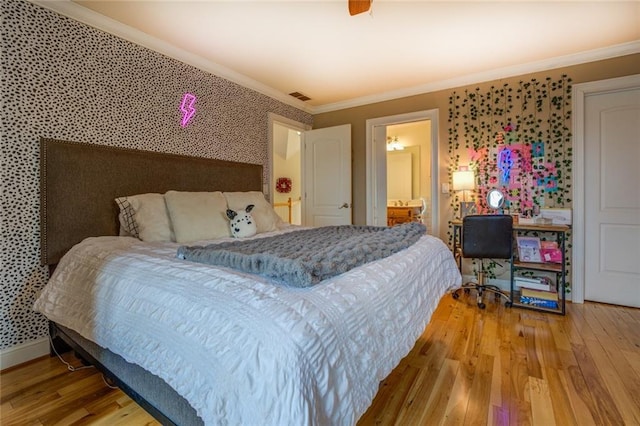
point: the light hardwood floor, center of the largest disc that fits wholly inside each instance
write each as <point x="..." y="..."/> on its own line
<point x="498" y="366"/>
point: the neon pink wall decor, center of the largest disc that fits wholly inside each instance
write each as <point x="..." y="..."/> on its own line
<point x="187" y="108"/>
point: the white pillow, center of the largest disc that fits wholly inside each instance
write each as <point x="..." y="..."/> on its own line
<point x="265" y="216"/>
<point x="197" y="215"/>
<point x="145" y="216"/>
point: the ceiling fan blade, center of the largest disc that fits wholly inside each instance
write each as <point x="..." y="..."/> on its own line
<point x="359" y="6"/>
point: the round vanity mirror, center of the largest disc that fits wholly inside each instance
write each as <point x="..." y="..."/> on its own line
<point x="495" y="199"/>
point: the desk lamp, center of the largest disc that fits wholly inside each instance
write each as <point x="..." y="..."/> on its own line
<point x="464" y="180"/>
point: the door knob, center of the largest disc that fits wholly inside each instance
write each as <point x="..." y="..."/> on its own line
<point x="344" y="206"/>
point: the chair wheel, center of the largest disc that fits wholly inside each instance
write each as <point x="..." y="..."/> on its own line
<point x="481" y="305"/>
<point x="455" y="295"/>
<point x="508" y="304"/>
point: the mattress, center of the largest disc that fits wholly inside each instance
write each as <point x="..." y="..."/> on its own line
<point x="240" y="348"/>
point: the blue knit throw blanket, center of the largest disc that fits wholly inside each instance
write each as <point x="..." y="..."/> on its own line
<point x="306" y="257"/>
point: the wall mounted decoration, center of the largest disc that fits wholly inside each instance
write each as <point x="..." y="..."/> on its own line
<point x="283" y="185"/>
<point x="188" y="109"/>
<point x="517" y="139"/>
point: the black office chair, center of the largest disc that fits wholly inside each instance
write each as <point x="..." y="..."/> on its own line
<point x="486" y="237"/>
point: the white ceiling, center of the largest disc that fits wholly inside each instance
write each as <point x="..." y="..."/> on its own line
<point x="400" y="48"/>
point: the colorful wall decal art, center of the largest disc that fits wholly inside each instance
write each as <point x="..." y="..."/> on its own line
<point x="188" y="109"/>
<point x="505" y="163"/>
<point x="537" y="149"/>
<point x="517" y="138"/>
<point x="550" y="184"/>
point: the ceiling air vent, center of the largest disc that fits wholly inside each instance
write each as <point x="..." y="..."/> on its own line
<point x="300" y="96"/>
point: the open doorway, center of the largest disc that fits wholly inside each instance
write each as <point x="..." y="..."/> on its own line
<point x="284" y="182"/>
<point x="420" y="131"/>
<point x="287" y="174"/>
<point x="308" y="177"/>
<point x="409" y="172"/>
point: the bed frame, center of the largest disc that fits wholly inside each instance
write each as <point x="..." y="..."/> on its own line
<point x="78" y="185"/>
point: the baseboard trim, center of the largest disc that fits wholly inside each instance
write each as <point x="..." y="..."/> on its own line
<point x="24" y="352"/>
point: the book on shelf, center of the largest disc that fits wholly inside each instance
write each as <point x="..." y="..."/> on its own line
<point x="539" y="298"/>
<point x="539" y="294"/>
<point x="548" y="244"/>
<point x="529" y="249"/>
<point x="535" y="283"/>
<point x="550" y="252"/>
<point x="540" y="303"/>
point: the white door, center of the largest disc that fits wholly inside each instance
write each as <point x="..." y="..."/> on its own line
<point x="327" y="176"/>
<point x="612" y="197"/>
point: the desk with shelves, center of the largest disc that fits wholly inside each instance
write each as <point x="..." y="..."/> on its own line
<point x="558" y="270"/>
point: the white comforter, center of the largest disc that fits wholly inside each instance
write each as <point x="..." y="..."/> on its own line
<point x="241" y="350"/>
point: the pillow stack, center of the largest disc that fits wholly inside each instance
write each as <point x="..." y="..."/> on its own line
<point x="184" y="217"/>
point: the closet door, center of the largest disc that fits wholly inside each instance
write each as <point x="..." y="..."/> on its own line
<point x="612" y="197"/>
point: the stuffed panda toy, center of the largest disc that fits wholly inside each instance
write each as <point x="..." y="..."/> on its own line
<point x="242" y="223"/>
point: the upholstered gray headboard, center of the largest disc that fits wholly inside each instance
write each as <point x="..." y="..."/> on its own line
<point x="79" y="182"/>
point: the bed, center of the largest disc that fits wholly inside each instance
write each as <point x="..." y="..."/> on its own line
<point x="200" y="344"/>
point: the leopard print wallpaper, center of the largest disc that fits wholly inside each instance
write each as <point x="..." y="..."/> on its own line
<point x="63" y="79"/>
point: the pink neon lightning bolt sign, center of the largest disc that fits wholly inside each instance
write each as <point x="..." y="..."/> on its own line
<point x="187" y="108"/>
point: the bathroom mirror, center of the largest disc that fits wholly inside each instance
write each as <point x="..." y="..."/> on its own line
<point x="495" y="199"/>
<point x="404" y="174"/>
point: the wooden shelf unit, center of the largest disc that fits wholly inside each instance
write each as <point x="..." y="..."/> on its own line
<point x="551" y="267"/>
<point x="559" y="270"/>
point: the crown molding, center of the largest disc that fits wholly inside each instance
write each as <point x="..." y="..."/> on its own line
<point x="496" y="74"/>
<point x="101" y="22"/>
<point x="89" y="17"/>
